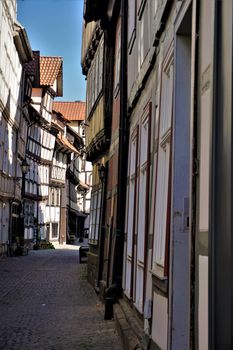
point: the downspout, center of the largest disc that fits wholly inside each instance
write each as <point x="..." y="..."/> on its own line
<point x="122" y="157"/>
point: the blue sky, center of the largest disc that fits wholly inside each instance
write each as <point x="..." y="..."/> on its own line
<point x="54" y="27"/>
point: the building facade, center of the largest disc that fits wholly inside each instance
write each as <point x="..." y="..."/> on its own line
<point x="37" y="147"/>
<point x="80" y="171"/>
<point x="14" y="92"/>
<point x="176" y="148"/>
<point x="47" y="83"/>
<point x="97" y="133"/>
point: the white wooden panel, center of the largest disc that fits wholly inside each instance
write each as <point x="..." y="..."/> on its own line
<point x="161" y="204"/>
<point x="203" y="304"/>
<point x="160" y="321"/>
<point x="52" y="213"/>
<point x="141" y="216"/>
<point x="166" y="105"/>
<point x="128" y="276"/>
<point x="139" y="288"/>
<point x="130" y="217"/>
<point x="144" y="142"/>
<point x="204" y="161"/>
<point x="57" y="214"/>
<point x="47" y="214"/>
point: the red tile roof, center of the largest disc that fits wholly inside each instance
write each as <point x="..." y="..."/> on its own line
<point x="32" y="67"/>
<point x="71" y="110"/>
<point x="50" y="69"/>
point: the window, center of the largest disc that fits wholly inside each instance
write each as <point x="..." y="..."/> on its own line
<point x="52" y="197"/>
<point x="117" y="60"/>
<point x="54" y="227"/>
<point x="164" y="153"/>
<point x="143" y="32"/>
<point x="28" y="213"/>
<point x="95" y="76"/>
<point x="83" y="165"/>
<point x="91" y="237"/>
<point x="6" y="148"/>
<point x="2" y="136"/>
<point x="137" y="219"/>
<point x="101" y="64"/>
<point x="131" y="24"/>
<point x="28" y="89"/>
<point x="58" y="197"/>
<point x="98" y="210"/>
<point x="95" y="216"/>
<point x="131" y="210"/>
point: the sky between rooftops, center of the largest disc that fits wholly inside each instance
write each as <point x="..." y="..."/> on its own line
<point x="54" y="27"/>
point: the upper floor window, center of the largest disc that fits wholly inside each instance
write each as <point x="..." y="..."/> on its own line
<point x="143" y="33"/>
<point x="117" y="59"/>
<point x="131" y="24"/>
<point x="47" y="102"/>
<point x="163" y="192"/>
<point x="95" y="77"/>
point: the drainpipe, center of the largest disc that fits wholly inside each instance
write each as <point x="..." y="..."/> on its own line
<point x="122" y="157"/>
<point x="102" y="226"/>
<point x="221" y="183"/>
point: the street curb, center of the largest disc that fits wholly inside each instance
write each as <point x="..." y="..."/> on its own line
<point x="129" y="330"/>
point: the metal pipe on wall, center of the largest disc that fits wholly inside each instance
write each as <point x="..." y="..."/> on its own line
<point x="122" y="155"/>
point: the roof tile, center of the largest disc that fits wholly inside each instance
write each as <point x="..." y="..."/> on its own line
<point x="50" y="69"/>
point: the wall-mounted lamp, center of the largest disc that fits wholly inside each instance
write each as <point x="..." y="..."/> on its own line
<point x="84" y="123"/>
<point x="102" y="172"/>
<point x="24" y="166"/>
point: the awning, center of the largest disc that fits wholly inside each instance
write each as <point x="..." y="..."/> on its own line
<point x="66" y="143"/>
<point x="82" y="187"/>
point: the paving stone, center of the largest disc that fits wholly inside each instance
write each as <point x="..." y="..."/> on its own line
<point x="47" y="304"/>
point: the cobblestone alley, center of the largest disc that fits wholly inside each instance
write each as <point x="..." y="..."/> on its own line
<point x="47" y="304"/>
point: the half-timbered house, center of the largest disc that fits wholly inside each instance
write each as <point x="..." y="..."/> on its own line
<point x="97" y="132"/>
<point x="14" y="96"/>
<point x="47" y="77"/>
<point x="74" y="112"/>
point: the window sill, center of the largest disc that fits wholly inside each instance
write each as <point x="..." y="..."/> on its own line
<point x="159" y="283"/>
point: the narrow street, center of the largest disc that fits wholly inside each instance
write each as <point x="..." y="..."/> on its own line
<point x="46" y="303"/>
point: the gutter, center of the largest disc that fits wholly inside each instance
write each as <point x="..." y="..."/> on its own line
<point x="22" y="43"/>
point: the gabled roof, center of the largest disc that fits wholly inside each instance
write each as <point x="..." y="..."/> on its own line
<point x="50" y="70"/>
<point x="71" y="110"/>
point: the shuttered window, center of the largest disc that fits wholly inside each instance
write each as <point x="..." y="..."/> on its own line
<point x="117" y="60"/>
<point x="95" y="76"/>
<point x="144" y="35"/>
<point x="131" y="24"/>
<point x="162" y="211"/>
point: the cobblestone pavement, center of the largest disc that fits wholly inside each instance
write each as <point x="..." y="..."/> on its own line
<point x="47" y="304"/>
